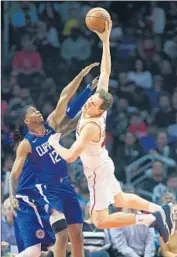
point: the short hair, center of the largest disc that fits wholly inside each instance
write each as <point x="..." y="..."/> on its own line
<point x="107" y="99"/>
<point x="24" y="112"/>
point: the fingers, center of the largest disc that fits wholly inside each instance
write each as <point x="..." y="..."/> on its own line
<point x="95" y="64"/>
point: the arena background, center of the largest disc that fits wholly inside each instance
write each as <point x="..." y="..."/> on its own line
<point x="141" y="126"/>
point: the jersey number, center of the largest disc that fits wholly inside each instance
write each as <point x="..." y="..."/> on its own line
<point x="54" y="157"/>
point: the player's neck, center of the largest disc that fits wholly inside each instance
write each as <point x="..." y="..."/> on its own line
<point x="40" y="129"/>
<point x="86" y="116"/>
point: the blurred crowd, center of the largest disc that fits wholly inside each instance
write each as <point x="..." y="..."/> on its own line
<point x="48" y="39"/>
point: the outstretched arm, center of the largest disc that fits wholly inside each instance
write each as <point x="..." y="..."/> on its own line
<point x="105" y="70"/>
<point x="87" y="134"/>
<point x="58" y="114"/>
<point x="21" y="154"/>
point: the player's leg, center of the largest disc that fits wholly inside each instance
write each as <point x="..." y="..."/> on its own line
<point x="128" y="200"/>
<point x="59" y="225"/>
<point x="103" y="187"/>
<point x="76" y="238"/>
<point x="73" y="214"/>
<point x="30" y="228"/>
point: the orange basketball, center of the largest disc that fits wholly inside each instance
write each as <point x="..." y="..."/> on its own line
<point x="95" y="19"/>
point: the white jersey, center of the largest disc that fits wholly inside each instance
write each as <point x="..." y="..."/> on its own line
<point x="95" y="153"/>
<point x="98" y="168"/>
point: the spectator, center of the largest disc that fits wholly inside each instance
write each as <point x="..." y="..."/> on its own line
<point x="6" y="172"/>
<point x="126" y="153"/>
<point x="64" y="9"/>
<point x="75" y="48"/>
<point x="168" y="76"/>
<point x="133" y="241"/>
<point x="49" y="14"/>
<point x="162" y="145"/>
<point x="170" y="27"/>
<point x="141" y="77"/>
<point x="155" y="93"/>
<point x="8" y="233"/>
<point x="71" y="23"/>
<point x="127" y="47"/>
<point x="147" y="47"/>
<point x="165" y="116"/>
<point x="95" y="240"/>
<point x="157" y="177"/>
<point x="27" y="61"/>
<point x="137" y="126"/>
<point x="116" y="32"/>
<point x="174" y="101"/>
<point x="47" y="35"/>
<point x="167" y="197"/>
<point x="158" y="18"/>
<point x="16" y="103"/>
<point x="172" y="129"/>
<point x="172" y="182"/>
<point x="48" y="92"/>
<point x="18" y="11"/>
<point x="170" y="47"/>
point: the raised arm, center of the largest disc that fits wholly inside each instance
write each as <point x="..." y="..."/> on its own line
<point x="87" y="134"/>
<point x="58" y="114"/>
<point x="21" y="154"/>
<point x="67" y="125"/>
<point x="105" y="70"/>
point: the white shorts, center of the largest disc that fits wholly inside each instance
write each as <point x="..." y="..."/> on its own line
<point x="103" y="186"/>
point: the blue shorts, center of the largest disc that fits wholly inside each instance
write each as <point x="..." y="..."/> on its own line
<point x="32" y="228"/>
<point x="62" y="197"/>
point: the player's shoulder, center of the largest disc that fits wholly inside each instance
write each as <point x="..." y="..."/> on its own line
<point x="91" y="127"/>
<point x="24" y="146"/>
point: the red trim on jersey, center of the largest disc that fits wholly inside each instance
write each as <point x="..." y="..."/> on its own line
<point x="94" y="193"/>
<point x="37" y="135"/>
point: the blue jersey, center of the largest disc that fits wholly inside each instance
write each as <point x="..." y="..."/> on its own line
<point x="51" y="167"/>
<point x="27" y="180"/>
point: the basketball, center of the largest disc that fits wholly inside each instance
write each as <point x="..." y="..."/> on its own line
<point x="95" y="19"/>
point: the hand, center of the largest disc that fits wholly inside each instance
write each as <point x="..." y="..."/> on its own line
<point x="14" y="204"/>
<point x="54" y="139"/>
<point x="106" y="33"/>
<point x="4" y="246"/>
<point x="87" y="69"/>
<point x="93" y="248"/>
<point x="94" y="83"/>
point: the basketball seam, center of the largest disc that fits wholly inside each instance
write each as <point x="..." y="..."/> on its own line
<point x="102" y="11"/>
<point x="101" y="18"/>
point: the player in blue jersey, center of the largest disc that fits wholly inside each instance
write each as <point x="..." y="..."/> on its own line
<point x="32" y="225"/>
<point x="52" y="172"/>
<point x="28" y="192"/>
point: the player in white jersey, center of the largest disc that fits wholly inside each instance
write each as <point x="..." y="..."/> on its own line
<point x="98" y="166"/>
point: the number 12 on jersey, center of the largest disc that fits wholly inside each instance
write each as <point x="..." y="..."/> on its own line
<point x="54" y="157"/>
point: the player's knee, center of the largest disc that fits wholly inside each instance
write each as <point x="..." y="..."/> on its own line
<point x="60" y="227"/>
<point x="78" y="235"/>
<point x="58" y="222"/>
<point x="121" y="199"/>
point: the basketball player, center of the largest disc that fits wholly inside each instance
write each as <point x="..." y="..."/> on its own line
<point x="99" y="168"/>
<point x="52" y="172"/>
<point x="30" y="196"/>
<point x="32" y="228"/>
